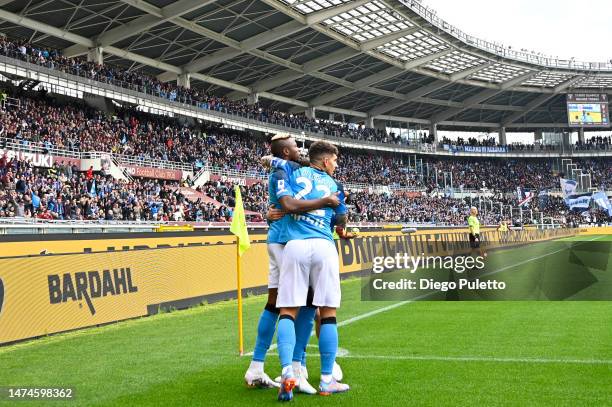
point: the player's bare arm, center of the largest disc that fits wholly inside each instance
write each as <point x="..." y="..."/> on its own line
<point x="275" y="213"/>
<point x="341" y="221"/>
<point x="292" y="205"/>
<point x="266" y="161"/>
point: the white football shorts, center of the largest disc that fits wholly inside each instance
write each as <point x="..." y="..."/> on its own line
<point x="309" y="263"/>
<point x="275" y="254"/>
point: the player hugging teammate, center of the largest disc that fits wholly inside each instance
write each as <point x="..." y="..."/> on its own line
<point x="304" y="267"/>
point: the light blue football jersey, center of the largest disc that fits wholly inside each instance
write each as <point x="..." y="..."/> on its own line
<point x="310" y="183"/>
<point x="279" y="186"/>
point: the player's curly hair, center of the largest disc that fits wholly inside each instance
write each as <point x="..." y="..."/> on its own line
<point x="319" y="149"/>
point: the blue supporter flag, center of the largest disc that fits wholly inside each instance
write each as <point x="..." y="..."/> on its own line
<point x="92" y="190"/>
<point x="543" y="199"/>
<point x="35" y="201"/>
<point x="579" y="202"/>
<point x="602" y="200"/>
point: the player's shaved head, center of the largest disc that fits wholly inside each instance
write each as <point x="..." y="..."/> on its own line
<point x="285" y="147"/>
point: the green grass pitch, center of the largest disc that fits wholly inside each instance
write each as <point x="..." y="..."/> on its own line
<point x="512" y="353"/>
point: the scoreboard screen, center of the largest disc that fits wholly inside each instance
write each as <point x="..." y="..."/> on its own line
<point x="587" y="110"/>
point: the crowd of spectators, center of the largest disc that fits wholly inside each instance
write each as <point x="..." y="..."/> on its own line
<point x="595" y="143"/>
<point x="75" y="126"/>
<point x="471" y="141"/>
<point x="141" y="82"/>
<point x="520" y="147"/>
<point x="65" y="193"/>
<point x="370" y="207"/>
<point x="492" y="174"/>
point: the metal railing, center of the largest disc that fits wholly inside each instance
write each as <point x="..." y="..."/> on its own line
<point x="499" y="49"/>
<point x="263" y="177"/>
<point x="37" y="226"/>
<point x="33" y="147"/>
<point x="37" y="147"/>
<point x="141" y="161"/>
<point x="48" y="148"/>
<point x="40" y="226"/>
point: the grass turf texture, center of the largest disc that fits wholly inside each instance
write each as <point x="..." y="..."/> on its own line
<point x="421" y="353"/>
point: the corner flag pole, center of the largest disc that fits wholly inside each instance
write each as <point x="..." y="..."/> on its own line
<point x="239" y="288"/>
<point x="243" y="242"/>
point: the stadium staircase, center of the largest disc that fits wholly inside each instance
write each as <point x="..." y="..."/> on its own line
<point x="201" y="177"/>
<point x="119" y="172"/>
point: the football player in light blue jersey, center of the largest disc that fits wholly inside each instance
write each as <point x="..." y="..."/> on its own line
<point x="310" y="259"/>
<point x="279" y="191"/>
<point x="304" y="320"/>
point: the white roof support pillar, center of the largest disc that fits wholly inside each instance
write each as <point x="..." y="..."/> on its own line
<point x="311" y="113"/>
<point x="503" y="140"/>
<point x="252" y="98"/>
<point x="433" y="131"/>
<point x="184" y="80"/>
<point x="95" y="55"/>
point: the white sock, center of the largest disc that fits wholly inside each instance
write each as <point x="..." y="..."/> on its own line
<point x="287" y="371"/>
<point x="327" y="378"/>
<point x="256" y="365"/>
<point x="297" y="367"/>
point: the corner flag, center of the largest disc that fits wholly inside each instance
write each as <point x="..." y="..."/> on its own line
<point x="238" y="226"/>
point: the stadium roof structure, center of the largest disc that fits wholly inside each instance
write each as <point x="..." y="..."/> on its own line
<point x="391" y="60"/>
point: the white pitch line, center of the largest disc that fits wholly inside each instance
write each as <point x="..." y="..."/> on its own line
<point x="399" y="304"/>
<point x="482" y="359"/>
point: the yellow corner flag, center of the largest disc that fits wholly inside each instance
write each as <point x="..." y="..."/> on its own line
<point x="239" y="226"/>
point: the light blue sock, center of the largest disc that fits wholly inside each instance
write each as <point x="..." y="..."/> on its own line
<point x="265" y="333"/>
<point x="286" y="339"/>
<point x="328" y="344"/>
<point x="303" y="328"/>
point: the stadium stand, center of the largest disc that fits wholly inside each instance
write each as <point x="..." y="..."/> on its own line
<point x="65" y="193"/>
<point x="74" y="126"/>
<point x="53" y="59"/>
